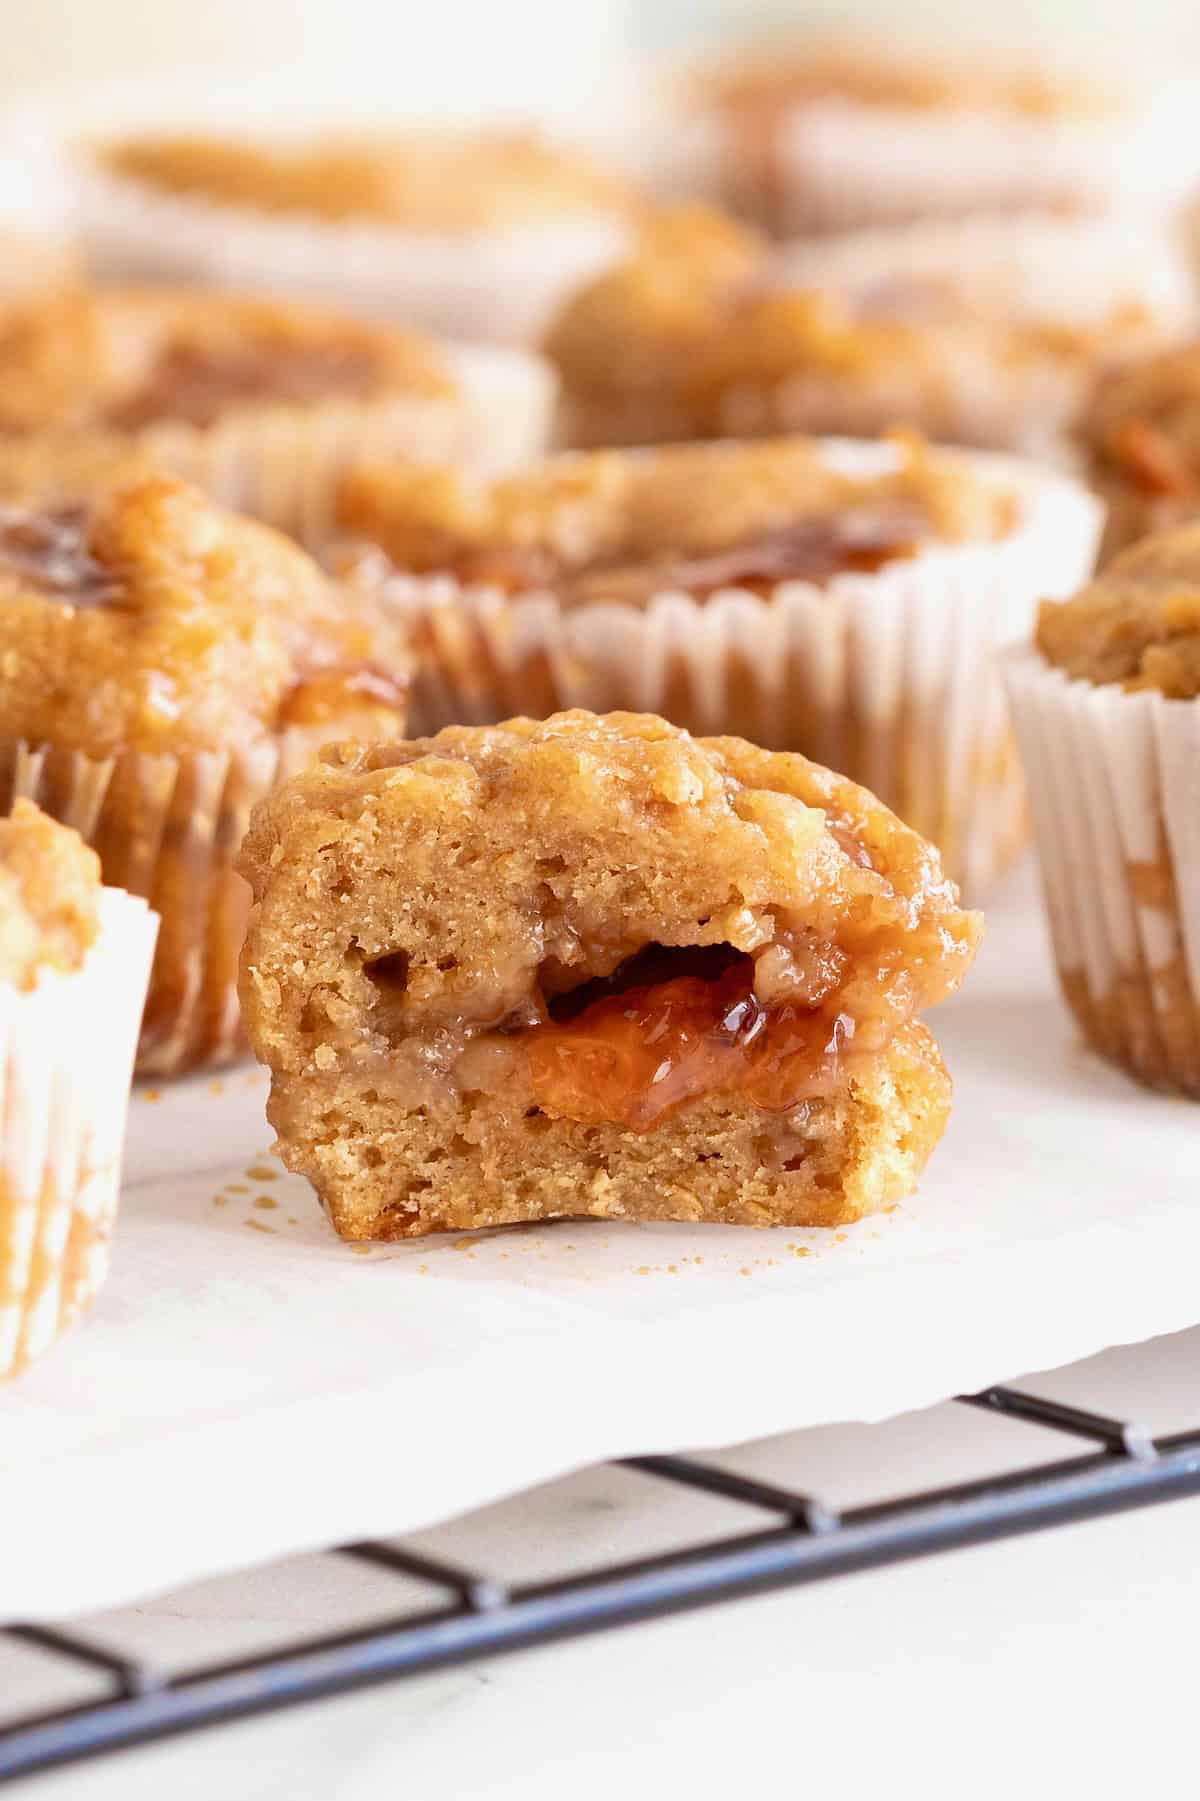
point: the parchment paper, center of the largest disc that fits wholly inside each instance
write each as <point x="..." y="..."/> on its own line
<point x="249" y="1386"/>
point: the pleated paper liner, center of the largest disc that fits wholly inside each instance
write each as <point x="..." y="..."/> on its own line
<point x="842" y="167"/>
<point x="887" y="677"/>
<point x="497" y="285"/>
<point x="66" y="1053"/>
<point x="1113" y="783"/>
<point x="168" y="828"/>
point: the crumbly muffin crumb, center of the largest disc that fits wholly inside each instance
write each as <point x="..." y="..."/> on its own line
<point x="1136" y="625"/>
<point x="593" y="965"/>
<point x="49" y="887"/>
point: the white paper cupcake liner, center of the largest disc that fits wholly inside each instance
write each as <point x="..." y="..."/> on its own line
<point x="1114" y="781"/>
<point x="886" y="677"/>
<point x="1030" y="266"/>
<point x="66" y="1052"/>
<point x="837" y="166"/>
<point x="495" y="286"/>
<point x="168" y="828"/>
<point x="508" y="402"/>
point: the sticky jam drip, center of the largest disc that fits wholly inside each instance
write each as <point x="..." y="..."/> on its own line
<point x="671" y="1026"/>
<point x="48" y="550"/>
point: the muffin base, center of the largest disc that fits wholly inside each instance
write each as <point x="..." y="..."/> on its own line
<point x="66" y="1050"/>
<point x="1112" y="787"/>
<point x="384" y="1172"/>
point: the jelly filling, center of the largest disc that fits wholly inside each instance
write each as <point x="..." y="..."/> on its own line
<point x="673" y="1025"/>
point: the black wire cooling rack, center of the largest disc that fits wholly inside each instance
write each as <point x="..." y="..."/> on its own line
<point x="482" y="1618"/>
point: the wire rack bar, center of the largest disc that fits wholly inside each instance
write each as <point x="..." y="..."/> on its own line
<point x="479" y="1593"/>
<point x="886" y="1532"/>
<point x="801" y="1509"/>
<point x="1120" y="1437"/>
<point x="130" y="1677"/>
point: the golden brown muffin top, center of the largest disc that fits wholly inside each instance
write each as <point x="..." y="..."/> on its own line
<point x="1138" y="624"/>
<point x="119" y="359"/>
<point x="1142" y="428"/>
<point x="136" y="613"/>
<point x="49" y="886"/>
<point x="423" y="180"/>
<point x="779" y="76"/>
<point x="577" y="842"/>
<point x="627" y="524"/>
<point x="695" y="318"/>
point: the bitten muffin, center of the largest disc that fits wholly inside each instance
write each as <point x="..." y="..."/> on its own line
<point x="595" y="967"/>
<point x="706" y="333"/>
<point x="828" y="133"/>
<point x="161" y="664"/>
<point x="474" y="232"/>
<point x="1107" y="710"/>
<point x="74" y="962"/>
<point x="259" y="402"/>
<point x="1140" y="438"/>
<point x="840" y="600"/>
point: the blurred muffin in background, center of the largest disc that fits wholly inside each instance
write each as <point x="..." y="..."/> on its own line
<point x="260" y="402"/>
<point x="162" y="664"/>
<point x="1140" y="438"/>
<point x="985" y="333"/>
<point x="474" y="233"/>
<point x="842" y="600"/>
<point x="830" y="134"/>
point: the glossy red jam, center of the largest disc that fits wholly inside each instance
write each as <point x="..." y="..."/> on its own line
<point x="670" y="1027"/>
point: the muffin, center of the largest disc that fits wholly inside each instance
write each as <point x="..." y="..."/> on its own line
<point x="1107" y="710"/>
<point x="595" y="967"/>
<point x="161" y="664"/>
<point x="980" y="335"/>
<point x="259" y="402"/>
<point x="35" y="262"/>
<point x="841" y="600"/>
<point x="831" y="134"/>
<point x="476" y="233"/>
<point x="1140" y="439"/>
<point x="74" y="962"/>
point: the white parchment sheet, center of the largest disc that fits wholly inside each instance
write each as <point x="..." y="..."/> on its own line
<point x="249" y="1386"/>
